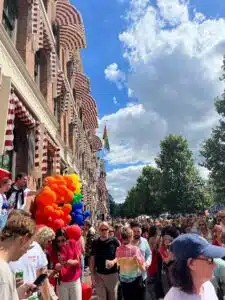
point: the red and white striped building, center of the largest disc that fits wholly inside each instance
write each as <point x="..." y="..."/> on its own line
<point x="48" y="116"/>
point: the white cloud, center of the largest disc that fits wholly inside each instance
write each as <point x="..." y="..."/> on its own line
<point x="129" y="130"/>
<point x="174" y="65"/>
<point x="204" y="173"/>
<point x="119" y="181"/>
<point x="115" y="100"/>
<point x="114" y="74"/>
<point x="173" y="12"/>
<point x="129" y="92"/>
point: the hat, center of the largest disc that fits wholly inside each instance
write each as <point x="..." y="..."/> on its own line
<point x="192" y="245"/>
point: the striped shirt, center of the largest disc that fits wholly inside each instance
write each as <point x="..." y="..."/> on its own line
<point x="126" y="258"/>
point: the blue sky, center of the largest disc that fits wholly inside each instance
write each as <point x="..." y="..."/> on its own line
<point x="169" y="54"/>
<point x="103" y="23"/>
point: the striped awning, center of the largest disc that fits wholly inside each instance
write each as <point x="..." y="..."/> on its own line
<point x="71" y="28"/>
<point x="49" y="144"/>
<point x="96" y="143"/>
<point x="70" y="37"/>
<point x="89" y="110"/>
<point x="67" y="14"/>
<point x="16" y="108"/>
<point x="80" y="82"/>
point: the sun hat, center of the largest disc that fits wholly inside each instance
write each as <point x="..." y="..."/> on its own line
<point x="192" y="246"/>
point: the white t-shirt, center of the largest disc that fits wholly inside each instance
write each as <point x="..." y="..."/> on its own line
<point x="32" y="261"/>
<point x="208" y="294"/>
<point x="7" y="283"/>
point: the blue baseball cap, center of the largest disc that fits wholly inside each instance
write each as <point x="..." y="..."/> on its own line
<point x="192" y="246"/>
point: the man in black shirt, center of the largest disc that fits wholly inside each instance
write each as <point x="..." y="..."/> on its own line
<point x="104" y="271"/>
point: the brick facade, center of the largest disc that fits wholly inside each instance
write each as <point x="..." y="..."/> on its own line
<point x="70" y="123"/>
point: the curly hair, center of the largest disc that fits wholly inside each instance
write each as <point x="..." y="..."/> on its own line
<point x="18" y="225"/>
<point x="44" y="234"/>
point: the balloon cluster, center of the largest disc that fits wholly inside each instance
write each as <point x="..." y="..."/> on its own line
<point x="55" y="204"/>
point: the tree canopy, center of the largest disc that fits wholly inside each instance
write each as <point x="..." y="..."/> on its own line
<point x="174" y="185"/>
<point x="213" y="149"/>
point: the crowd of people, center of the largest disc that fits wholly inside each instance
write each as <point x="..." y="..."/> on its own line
<point x="171" y="258"/>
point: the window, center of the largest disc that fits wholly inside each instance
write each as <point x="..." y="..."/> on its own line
<point x="69" y="66"/>
<point x="80" y="114"/>
<point x="10" y="15"/>
<point x="45" y="2"/>
<point x="63" y="60"/>
<point x="82" y="162"/>
<point x="37" y="64"/>
<point x="65" y="128"/>
<point x="55" y="30"/>
<point x="56" y="108"/>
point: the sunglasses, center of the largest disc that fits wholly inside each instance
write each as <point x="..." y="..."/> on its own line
<point x="209" y="260"/>
<point x="104" y="229"/>
<point x="59" y="241"/>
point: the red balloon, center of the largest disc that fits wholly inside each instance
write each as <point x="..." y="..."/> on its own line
<point x="58" y="224"/>
<point x="86" y="291"/>
<point x="73" y="232"/>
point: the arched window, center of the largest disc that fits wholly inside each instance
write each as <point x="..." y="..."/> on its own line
<point x="10" y="15"/>
<point x="55" y="30"/>
<point x="80" y="114"/>
<point x="45" y="2"/>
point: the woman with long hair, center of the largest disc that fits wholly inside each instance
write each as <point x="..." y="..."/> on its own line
<point x="65" y="255"/>
<point x="193" y="267"/>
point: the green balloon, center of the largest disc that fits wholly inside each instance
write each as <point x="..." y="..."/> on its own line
<point x="79" y="196"/>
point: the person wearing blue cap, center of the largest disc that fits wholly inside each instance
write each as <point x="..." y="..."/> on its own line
<point x="192" y="269"/>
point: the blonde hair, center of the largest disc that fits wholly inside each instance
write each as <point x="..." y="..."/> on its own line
<point x="104" y="223"/>
<point x="126" y="233"/>
<point x="18" y="225"/>
<point x="44" y="234"/>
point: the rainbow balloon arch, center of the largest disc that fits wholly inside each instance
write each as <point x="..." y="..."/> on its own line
<point x="59" y="203"/>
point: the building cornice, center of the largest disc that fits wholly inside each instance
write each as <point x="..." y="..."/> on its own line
<point x="14" y="67"/>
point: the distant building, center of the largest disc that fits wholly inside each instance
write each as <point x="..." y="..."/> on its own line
<point x="48" y="117"/>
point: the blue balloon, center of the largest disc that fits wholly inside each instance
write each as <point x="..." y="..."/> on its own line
<point x="78" y="205"/>
<point x="79" y="219"/>
<point x="87" y="214"/>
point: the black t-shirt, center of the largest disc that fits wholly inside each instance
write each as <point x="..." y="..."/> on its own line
<point x="102" y="251"/>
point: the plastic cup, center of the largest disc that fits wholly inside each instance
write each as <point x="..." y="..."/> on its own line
<point x="19" y="275"/>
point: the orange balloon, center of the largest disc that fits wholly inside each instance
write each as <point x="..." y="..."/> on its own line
<point x="67" y="219"/>
<point x="54" y="205"/>
<point x="49" y="180"/>
<point x="49" y="210"/>
<point x="69" y="196"/>
<point x="46" y="197"/>
<point x="54" y="187"/>
<point x="67" y="208"/>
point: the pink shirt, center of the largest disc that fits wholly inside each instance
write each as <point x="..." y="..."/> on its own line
<point x="71" y="250"/>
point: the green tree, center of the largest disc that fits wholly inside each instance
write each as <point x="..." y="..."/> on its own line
<point x="144" y="197"/>
<point x="213" y="149"/>
<point x="182" y="189"/>
<point x="114" y="208"/>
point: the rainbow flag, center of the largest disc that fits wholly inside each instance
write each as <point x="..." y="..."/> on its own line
<point x="106" y="139"/>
